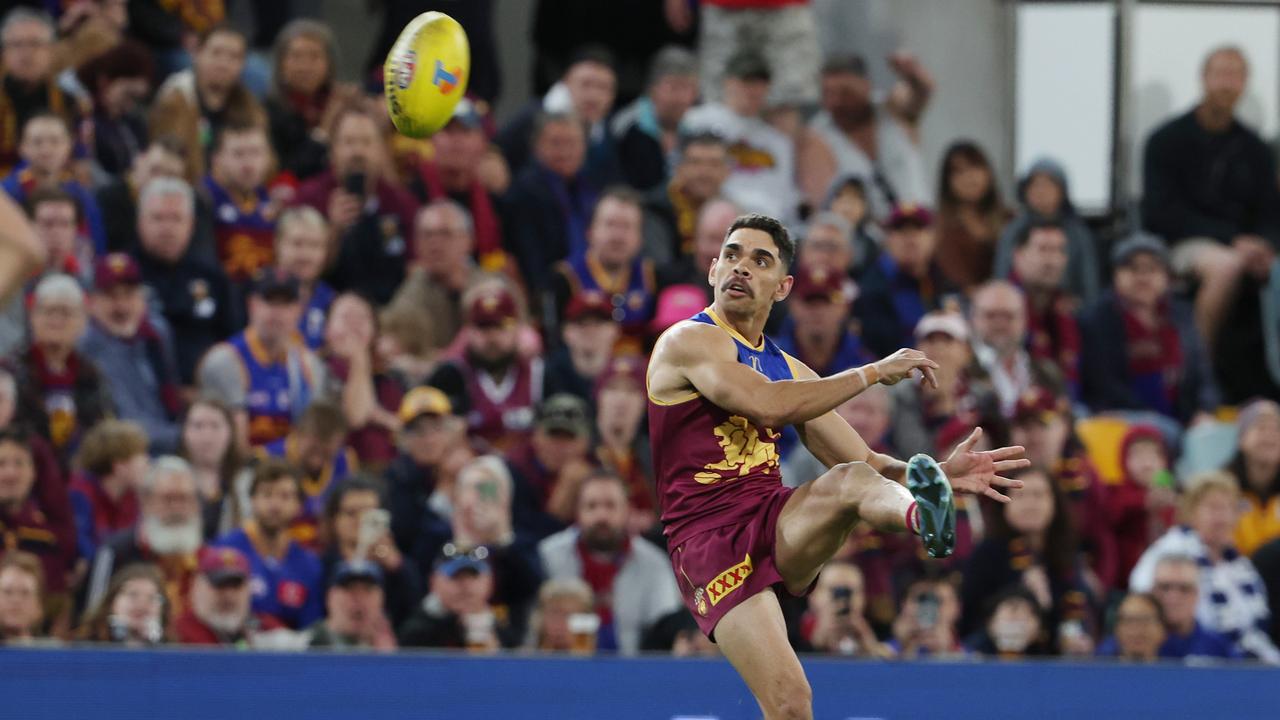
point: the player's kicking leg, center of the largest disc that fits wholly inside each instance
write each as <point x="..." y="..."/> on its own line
<point x="753" y="636"/>
<point x="818" y="517"/>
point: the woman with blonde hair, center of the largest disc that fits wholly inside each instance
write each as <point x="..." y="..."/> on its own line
<point x="1233" y="599"/>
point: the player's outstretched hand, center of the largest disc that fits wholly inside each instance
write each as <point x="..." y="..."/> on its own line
<point x="979" y="473"/>
<point x="900" y="365"/>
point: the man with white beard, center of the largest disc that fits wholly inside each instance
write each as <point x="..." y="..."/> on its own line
<point x="220" y="612"/>
<point x="168" y="534"/>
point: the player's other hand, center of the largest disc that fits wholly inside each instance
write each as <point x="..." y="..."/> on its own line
<point x="903" y="364"/>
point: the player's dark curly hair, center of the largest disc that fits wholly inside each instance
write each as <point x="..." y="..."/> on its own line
<point x="776" y="230"/>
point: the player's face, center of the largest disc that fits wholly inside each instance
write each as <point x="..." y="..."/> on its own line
<point x="614" y="234"/>
<point x="46" y="145"/>
<point x="749" y="276"/>
<point x="275" y="504"/>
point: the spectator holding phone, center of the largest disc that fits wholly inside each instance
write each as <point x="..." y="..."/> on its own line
<point x="359" y="529"/>
<point x="836" y="623"/>
<point x="926" y="626"/>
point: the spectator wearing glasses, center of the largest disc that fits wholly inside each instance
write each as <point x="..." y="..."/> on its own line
<point x="1177" y="590"/>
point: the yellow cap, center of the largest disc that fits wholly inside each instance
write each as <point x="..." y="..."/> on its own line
<point x="424" y="400"/>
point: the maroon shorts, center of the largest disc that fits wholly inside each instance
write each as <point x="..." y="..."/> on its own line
<point x="718" y="569"/>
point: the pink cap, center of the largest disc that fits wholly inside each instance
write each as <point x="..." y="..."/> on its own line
<point x="676" y="303"/>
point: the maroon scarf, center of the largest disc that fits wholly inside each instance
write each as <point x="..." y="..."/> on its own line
<point x="484" y="219"/>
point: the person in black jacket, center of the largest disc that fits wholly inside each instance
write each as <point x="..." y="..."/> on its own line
<point x="647" y="130"/>
<point x="1143" y="353"/>
<point x="1209" y="188"/>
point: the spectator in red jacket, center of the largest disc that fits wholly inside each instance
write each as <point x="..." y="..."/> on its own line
<point x="1142" y="507"/>
<point x="220" y="611"/>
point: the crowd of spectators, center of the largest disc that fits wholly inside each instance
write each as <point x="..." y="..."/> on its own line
<point x="290" y="380"/>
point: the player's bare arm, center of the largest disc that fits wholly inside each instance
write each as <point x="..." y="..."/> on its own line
<point x="699" y="358"/>
<point x="833" y="441"/>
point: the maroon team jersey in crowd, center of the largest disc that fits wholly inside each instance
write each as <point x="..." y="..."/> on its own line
<point x="502" y="410"/>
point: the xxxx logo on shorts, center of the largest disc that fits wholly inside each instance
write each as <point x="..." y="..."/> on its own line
<point x="729" y="580"/>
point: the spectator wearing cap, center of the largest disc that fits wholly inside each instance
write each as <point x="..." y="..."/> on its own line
<point x="1042" y="423"/>
<point x="555" y="459"/>
<point x="22" y="598"/>
<point x="61" y="391"/>
<point x="1176" y="589"/>
<point x="970" y="215"/>
<point x="903" y="284"/>
<point x="353" y="504"/>
<point x="1256" y="466"/>
<point x="196" y="103"/>
<point x="30" y="84"/>
<point x="1207" y="190"/>
<point x="305" y="96"/>
<point x="629" y="576"/>
<point x="1040" y="262"/>
<point x="586" y="91"/>
<point x="316" y="447"/>
<point x="372" y="387"/>
<point x="1145" y="354"/>
<point x="45" y="149"/>
<point x="266" y="372"/>
<point x="303" y="249"/>
<point x="119" y="81"/>
<point x="816" y="330"/>
<point x="25" y="527"/>
<point x="112" y="462"/>
<point x="622" y="442"/>
<point x="135" y="355"/>
<point x="442" y="269"/>
<point x="998" y="315"/>
<point x="370" y="214"/>
<point x="56" y="216"/>
<point x="588" y="335"/>
<point x="694" y="268"/>
<point x="354" y="619"/>
<point x="920" y="412"/>
<point x="221" y="611"/>
<point x="492" y="378"/>
<point x="875" y="141"/>
<point x="1143" y="505"/>
<point x="286" y="579"/>
<point x="190" y="292"/>
<point x="244" y="215"/>
<point x="1046" y="201"/>
<point x="1030" y="542"/>
<point x="457" y="613"/>
<point x="1233" y="598"/>
<point x="168" y="534"/>
<point x="612" y="264"/>
<point x="648" y="129"/>
<point x="549" y="204"/>
<point x="456" y="172"/>
<point x="432" y="445"/>
<point x="672" y="209"/>
<point x="762" y="160"/>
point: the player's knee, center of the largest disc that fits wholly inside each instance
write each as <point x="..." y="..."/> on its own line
<point x="792" y="699"/>
<point x="847" y="484"/>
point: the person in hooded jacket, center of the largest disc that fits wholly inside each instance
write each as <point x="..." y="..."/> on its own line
<point x="1043" y="194"/>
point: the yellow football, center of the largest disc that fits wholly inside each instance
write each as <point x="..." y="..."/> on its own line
<point x="426" y="73"/>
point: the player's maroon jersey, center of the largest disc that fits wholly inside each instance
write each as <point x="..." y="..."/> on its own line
<point x="714" y="468"/>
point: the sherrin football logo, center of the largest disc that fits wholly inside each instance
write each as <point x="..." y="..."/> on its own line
<point x="404" y="69"/>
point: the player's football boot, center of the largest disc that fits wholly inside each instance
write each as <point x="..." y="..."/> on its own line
<point x="935" y="507"/>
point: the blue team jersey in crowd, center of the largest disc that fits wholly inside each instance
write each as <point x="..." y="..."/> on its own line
<point x="314" y="315"/>
<point x="277" y="391"/>
<point x="290" y="588"/>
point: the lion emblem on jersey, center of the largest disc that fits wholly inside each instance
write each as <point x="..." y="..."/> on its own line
<point x="744" y="451"/>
